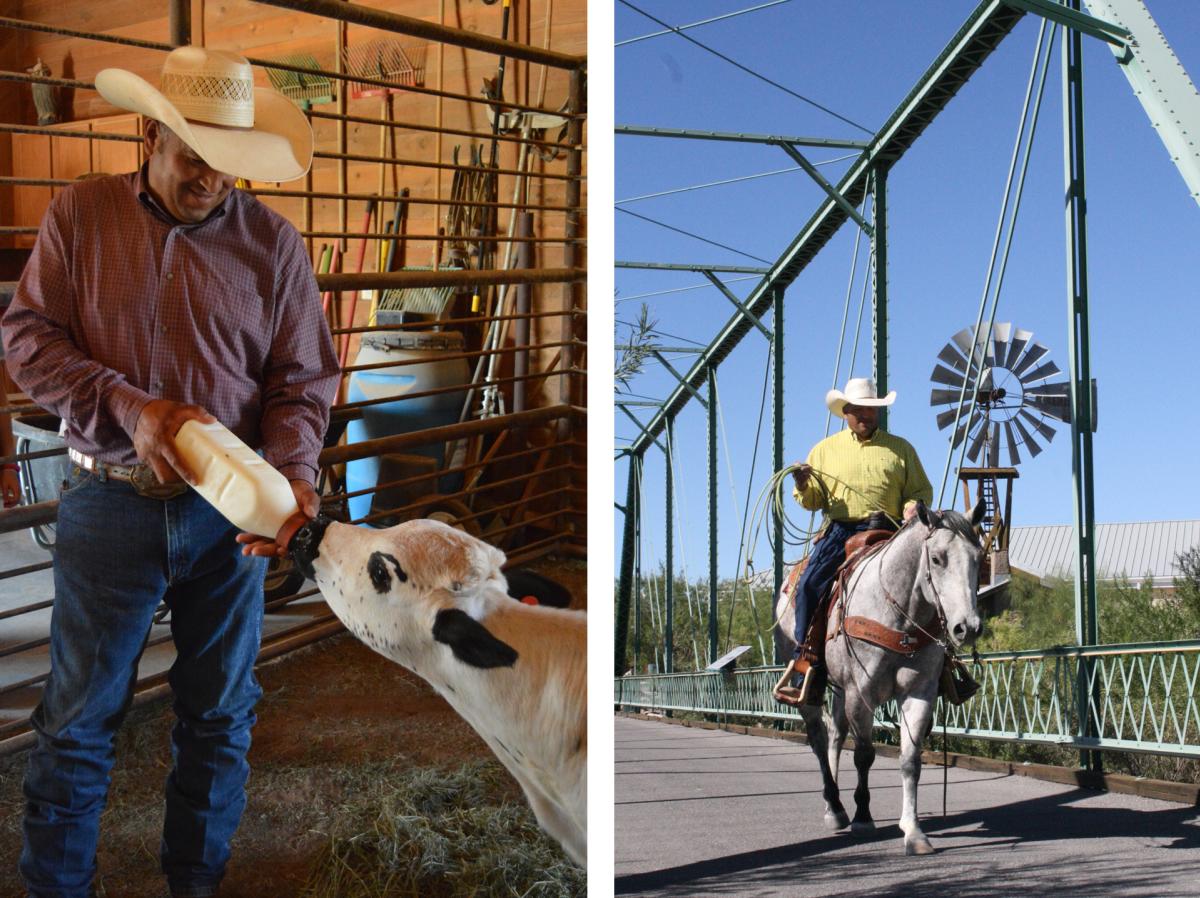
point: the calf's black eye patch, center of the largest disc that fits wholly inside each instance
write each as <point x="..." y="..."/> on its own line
<point x="470" y="641"/>
<point x="381" y="577"/>
<point x="377" y="569"/>
<point x="400" y="575"/>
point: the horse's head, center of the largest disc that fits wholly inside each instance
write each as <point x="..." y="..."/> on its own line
<point x="950" y="576"/>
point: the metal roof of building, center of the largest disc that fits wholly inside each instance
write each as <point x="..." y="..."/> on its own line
<point x="1135" y="551"/>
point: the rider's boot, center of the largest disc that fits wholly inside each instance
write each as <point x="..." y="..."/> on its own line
<point x="790" y="688"/>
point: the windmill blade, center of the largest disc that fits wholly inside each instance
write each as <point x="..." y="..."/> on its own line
<point x="945" y="397"/>
<point x="970" y="347"/>
<point x="1039" y="425"/>
<point x="1019" y="342"/>
<point x="1034" y="449"/>
<point x="1001" y="335"/>
<point x="1055" y="406"/>
<point x="977" y="444"/>
<point x="946" y="418"/>
<point x="993" y="447"/>
<point x="1036" y="351"/>
<point x="964" y="341"/>
<point x="1041" y="373"/>
<point x="964" y="428"/>
<point x="1060" y="389"/>
<point x="942" y="375"/>
<point x="953" y="357"/>
<point x="1014" y="456"/>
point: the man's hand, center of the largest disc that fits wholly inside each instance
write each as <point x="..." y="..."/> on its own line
<point x="801" y="474"/>
<point x="910" y="511"/>
<point x="154" y="438"/>
<point x="265" y="546"/>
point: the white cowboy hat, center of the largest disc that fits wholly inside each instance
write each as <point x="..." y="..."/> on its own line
<point x="209" y="100"/>
<point x="859" y="391"/>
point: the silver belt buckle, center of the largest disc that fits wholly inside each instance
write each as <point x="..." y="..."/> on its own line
<point x="146" y="484"/>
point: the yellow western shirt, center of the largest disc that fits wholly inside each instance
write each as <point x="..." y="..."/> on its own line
<point x="863" y="476"/>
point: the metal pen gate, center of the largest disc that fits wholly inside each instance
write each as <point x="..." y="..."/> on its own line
<point x="515" y="288"/>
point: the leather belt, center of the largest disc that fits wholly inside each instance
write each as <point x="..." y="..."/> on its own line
<point x="140" y="476"/>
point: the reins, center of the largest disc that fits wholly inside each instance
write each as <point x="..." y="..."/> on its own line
<point x="891" y="600"/>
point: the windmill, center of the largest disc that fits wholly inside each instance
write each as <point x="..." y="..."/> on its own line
<point x="1016" y="402"/>
<point x="1003" y="396"/>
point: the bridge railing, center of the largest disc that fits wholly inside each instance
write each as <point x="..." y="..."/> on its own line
<point x="1137" y="697"/>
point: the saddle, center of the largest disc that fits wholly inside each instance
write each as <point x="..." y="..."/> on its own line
<point x="812" y="652"/>
<point x="859" y="547"/>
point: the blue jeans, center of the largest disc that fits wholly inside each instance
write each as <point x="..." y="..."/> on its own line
<point x="118" y="554"/>
<point x="827" y="556"/>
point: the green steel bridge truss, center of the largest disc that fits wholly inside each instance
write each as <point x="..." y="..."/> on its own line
<point x="1137" y="698"/>
<point x="1140" y="698"/>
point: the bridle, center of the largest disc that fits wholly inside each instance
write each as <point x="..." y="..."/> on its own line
<point x="940" y="629"/>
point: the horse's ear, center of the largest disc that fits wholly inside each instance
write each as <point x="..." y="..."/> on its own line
<point x="978" y="512"/>
<point x="926" y="516"/>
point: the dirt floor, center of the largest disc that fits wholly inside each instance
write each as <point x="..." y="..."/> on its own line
<point x="332" y="715"/>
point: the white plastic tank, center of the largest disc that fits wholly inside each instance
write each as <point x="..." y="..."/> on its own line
<point x="426" y="367"/>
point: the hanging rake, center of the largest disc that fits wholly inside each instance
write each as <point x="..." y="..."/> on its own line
<point x="468" y="217"/>
<point x="386" y="60"/>
<point x="303" y="89"/>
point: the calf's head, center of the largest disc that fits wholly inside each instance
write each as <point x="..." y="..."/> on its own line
<point x="409" y="589"/>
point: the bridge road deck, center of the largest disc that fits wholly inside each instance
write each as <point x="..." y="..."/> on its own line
<point x="711" y="813"/>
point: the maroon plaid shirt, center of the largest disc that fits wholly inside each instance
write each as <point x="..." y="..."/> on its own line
<point x="120" y="304"/>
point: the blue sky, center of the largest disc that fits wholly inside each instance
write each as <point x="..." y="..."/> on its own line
<point x="860" y="59"/>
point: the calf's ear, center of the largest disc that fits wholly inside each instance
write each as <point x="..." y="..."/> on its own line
<point x="470" y="641"/>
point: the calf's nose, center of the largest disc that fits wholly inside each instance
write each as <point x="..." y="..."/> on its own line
<point x="304" y="545"/>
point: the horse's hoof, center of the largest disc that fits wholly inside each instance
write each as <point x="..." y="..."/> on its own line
<point x="836" y="821"/>
<point x="917" y="846"/>
<point x="863" y="827"/>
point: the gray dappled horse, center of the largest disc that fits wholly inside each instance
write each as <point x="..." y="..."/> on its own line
<point x="923" y="579"/>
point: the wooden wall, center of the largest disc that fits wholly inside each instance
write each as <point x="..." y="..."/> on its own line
<point x="267" y="32"/>
<point x="10" y="111"/>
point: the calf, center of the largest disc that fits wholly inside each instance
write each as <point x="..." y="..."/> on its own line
<point x="434" y="599"/>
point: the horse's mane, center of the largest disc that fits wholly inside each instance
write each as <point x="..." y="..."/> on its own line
<point x="958" y="522"/>
<point x="952" y="520"/>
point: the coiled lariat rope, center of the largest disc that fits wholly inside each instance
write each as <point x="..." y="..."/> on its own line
<point x="772" y="504"/>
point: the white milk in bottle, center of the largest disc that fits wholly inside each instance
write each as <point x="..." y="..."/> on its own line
<point x="242" y="486"/>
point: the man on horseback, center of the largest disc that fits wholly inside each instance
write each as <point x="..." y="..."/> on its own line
<point x="861" y="478"/>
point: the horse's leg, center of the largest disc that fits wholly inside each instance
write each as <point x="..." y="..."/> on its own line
<point x="915" y="715"/>
<point x="861" y="720"/>
<point x="837" y="719"/>
<point x="818" y="737"/>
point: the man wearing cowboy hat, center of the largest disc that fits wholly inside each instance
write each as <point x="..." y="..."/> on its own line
<point x="860" y="477"/>
<point x="151" y="299"/>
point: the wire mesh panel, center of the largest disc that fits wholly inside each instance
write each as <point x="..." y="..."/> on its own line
<point x="1138" y="697"/>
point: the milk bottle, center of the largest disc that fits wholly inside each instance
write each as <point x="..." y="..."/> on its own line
<point x="250" y="493"/>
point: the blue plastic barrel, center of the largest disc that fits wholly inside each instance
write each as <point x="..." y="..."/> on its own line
<point x="426" y="368"/>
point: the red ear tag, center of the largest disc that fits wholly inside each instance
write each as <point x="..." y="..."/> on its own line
<point x="529" y="600"/>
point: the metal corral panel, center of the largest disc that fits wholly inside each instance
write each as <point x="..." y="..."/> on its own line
<point x="1134" y="551"/>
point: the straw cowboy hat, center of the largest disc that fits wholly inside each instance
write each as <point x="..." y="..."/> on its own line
<point x="208" y="98"/>
<point x="859" y="391"/>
